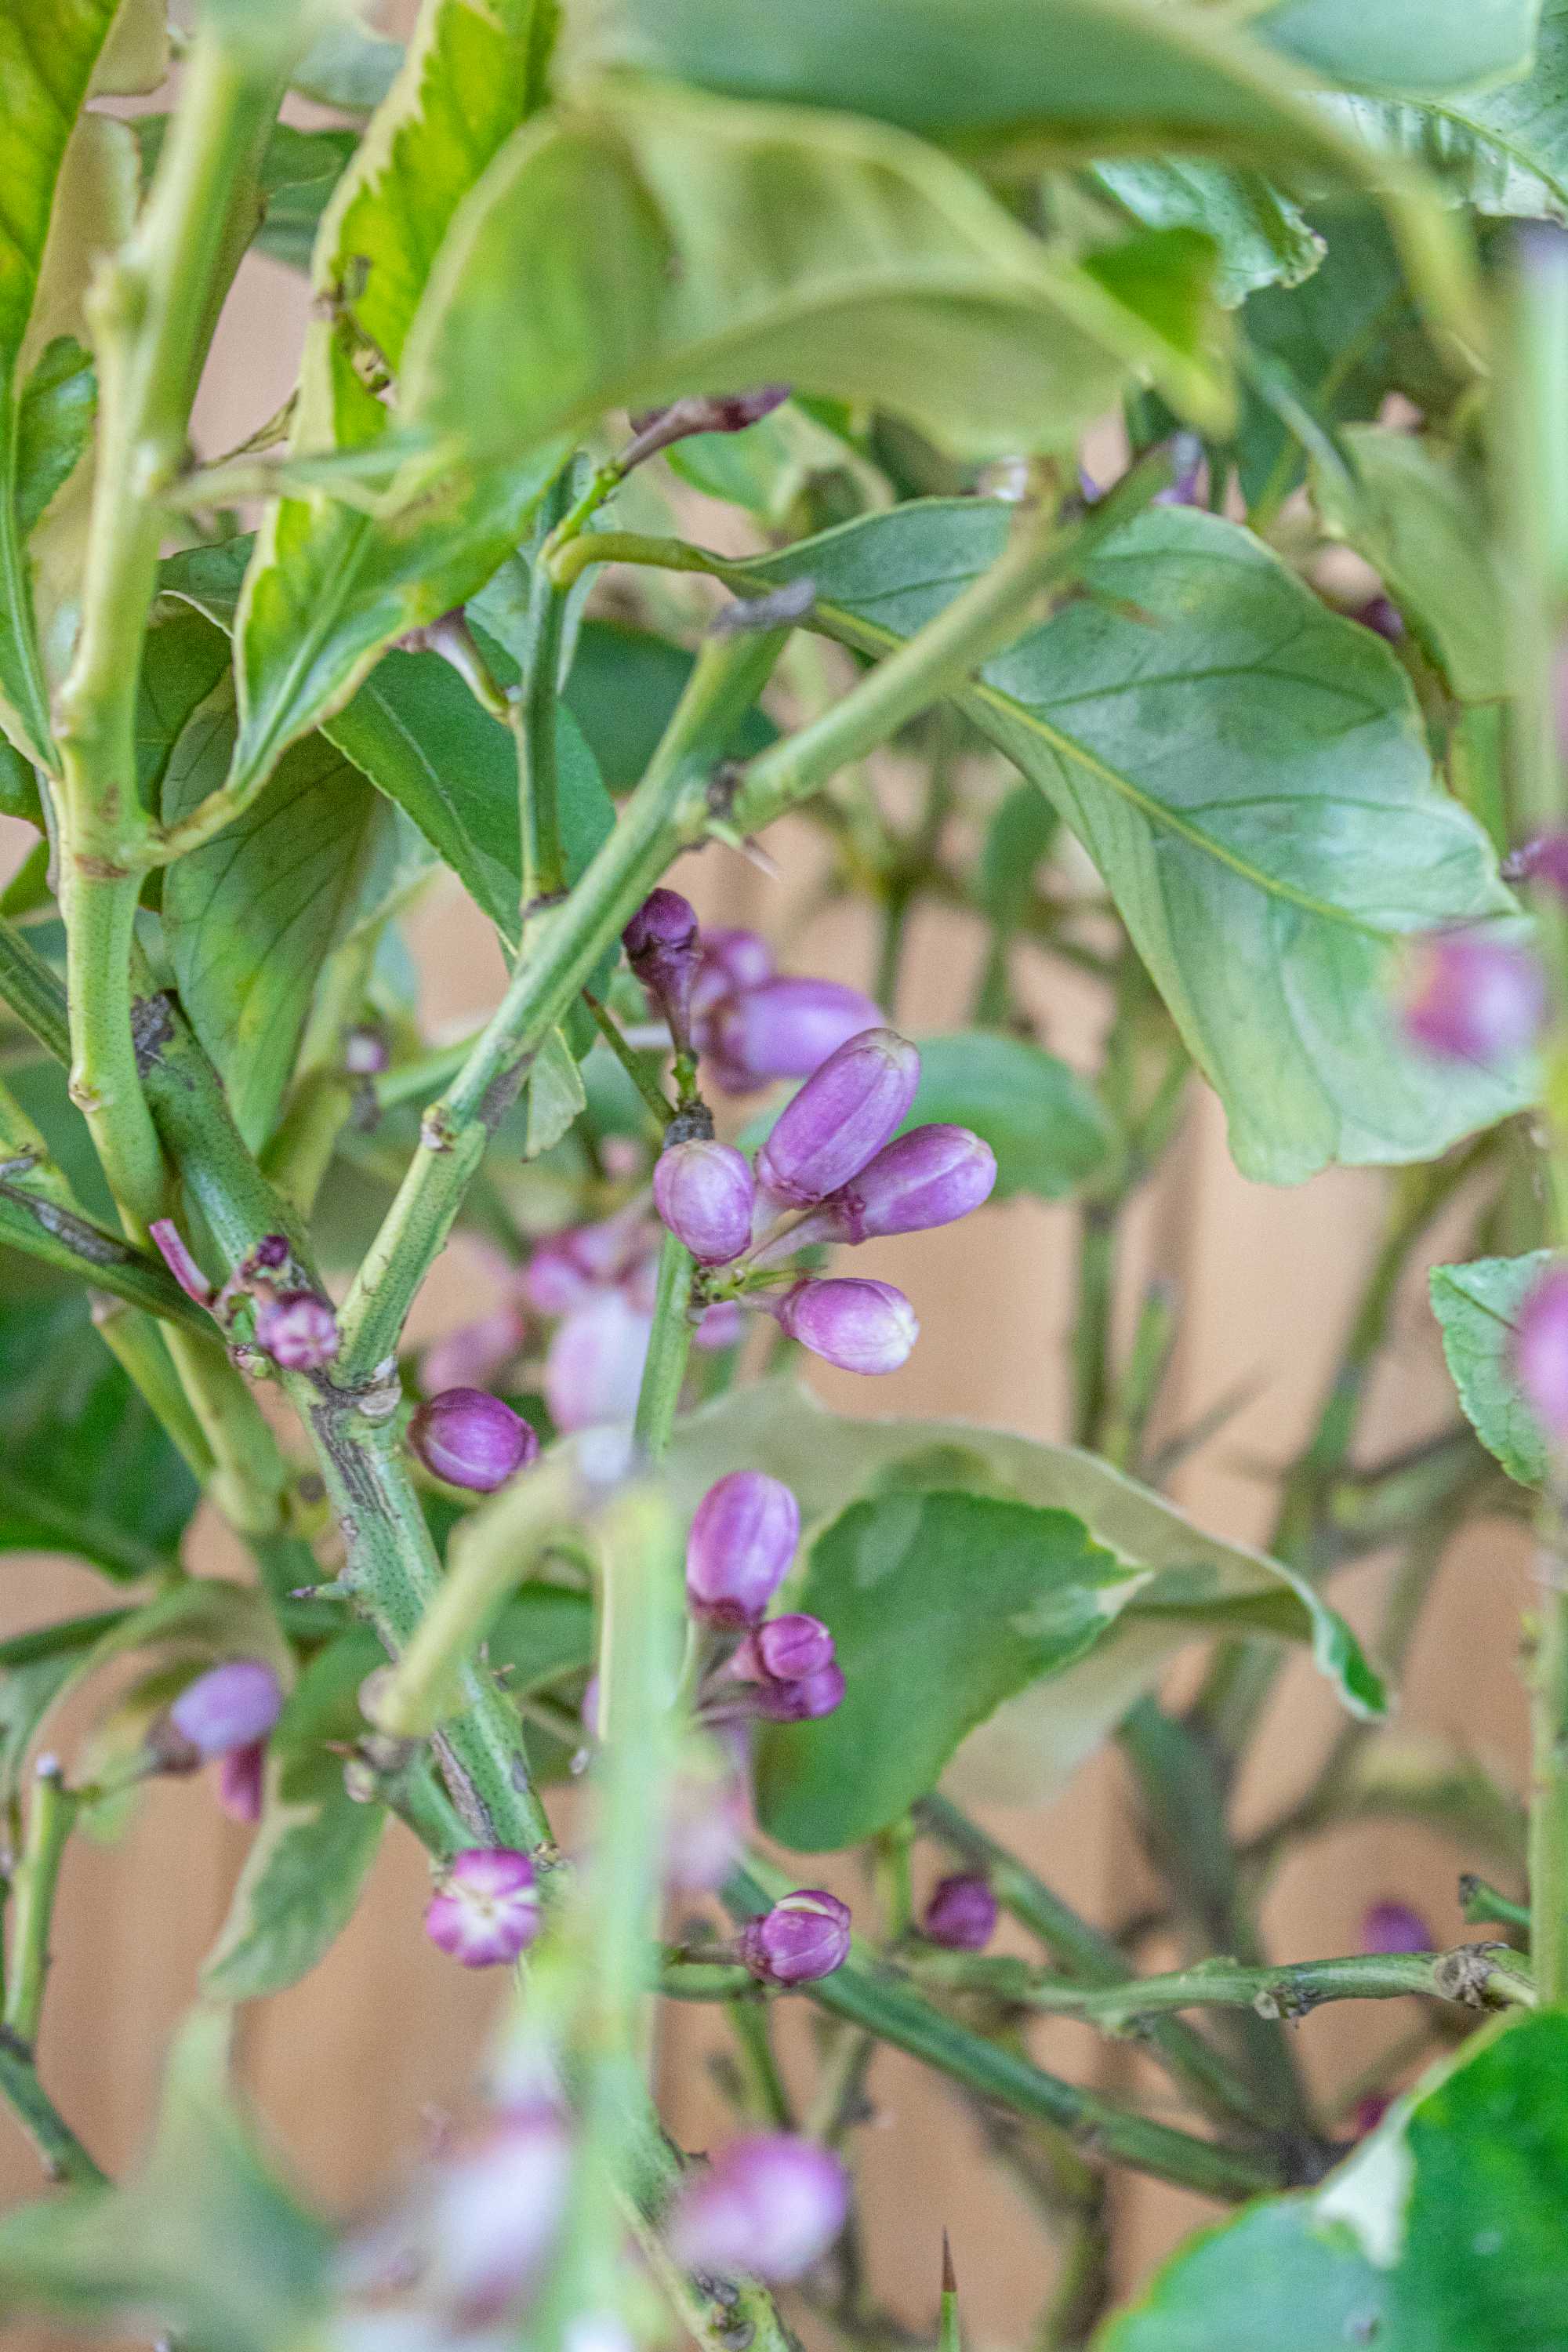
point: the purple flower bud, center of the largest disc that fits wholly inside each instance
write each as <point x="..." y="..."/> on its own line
<point x="227" y="1707"/>
<point x="296" y="1330"/>
<point x="705" y="1192"/>
<point x="594" y="1369"/>
<point x="471" y="1439"/>
<point x="961" y="1915"/>
<point x="240" y="1777"/>
<point x="802" y="1701"/>
<point x="176" y="1256"/>
<point x="769" y="2204"/>
<point x="931" y="1177"/>
<point x="730" y="960"/>
<point x="271" y="1253"/>
<point x="840" y="1119"/>
<point x="783" y="1029"/>
<point x="475" y="1353"/>
<point x="486" y="1909"/>
<point x="744" y="1535"/>
<point x="803" y="1937"/>
<point x="1474" y="999"/>
<point x="1540" y="1349"/>
<point x="1383" y="618"/>
<point x="661" y="947"/>
<point x="491" y="2212"/>
<point x="721" y="1327"/>
<point x="1395" y="1927"/>
<point x="1544" y="859"/>
<point x="859" y="1325"/>
<point x="783" y="1650"/>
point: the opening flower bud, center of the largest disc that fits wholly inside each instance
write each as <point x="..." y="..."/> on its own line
<point x="840" y="1119"/>
<point x="730" y="960"/>
<point x="296" y="1330"/>
<point x="803" y="1700"/>
<point x="783" y="1650"/>
<point x="1474" y="999"/>
<point x="783" y="1029"/>
<point x="931" y="1177"/>
<point x="661" y="945"/>
<point x="769" y="2204"/>
<point x="859" y="1325"/>
<point x="705" y="1192"/>
<point x="226" y="1708"/>
<point x="486" y="1909"/>
<point x="1395" y="1927"/>
<point x="961" y="1915"/>
<point x="1540" y="1349"/>
<point x="803" y="1937"/>
<point x="471" y="1439"/>
<point x="743" y="1537"/>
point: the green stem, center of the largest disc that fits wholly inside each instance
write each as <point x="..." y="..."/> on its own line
<point x="533" y="718"/>
<point x="64" y="2156"/>
<point x="748" y="2019"/>
<point x="64" y="1238"/>
<point x="139" y="1346"/>
<point x="34" y="993"/>
<point x="1478" y="1975"/>
<point x="659" y="1398"/>
<point x="51" y="1815"/>
<point x="661" y="1108"/>
<point x="1480" y="1902"/>
<point x="1092" y="1321"/>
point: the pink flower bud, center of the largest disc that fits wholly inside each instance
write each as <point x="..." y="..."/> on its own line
<point x="1395" y="1927"/>
<point x="229" y="1707"/>
<point x="661" y="947"/>
<point x="783" y="1650"/>
<point x="1540" y="1349"/>
<point x="491" y="2213"/>
<point x="783" y="1029"/>
<point x="730" y="960"/>
<point x="931" y="1177"/>
<point x="486" y="1909"/>
<point x="859" y="1325"/>
<point x="705" y="1192"/>
<point x="744" y="1535"/>
<point x="296" y="1330"/>
<point x="803" y="1700"/>
<point x="769" y="2204"/>
<point x="840" y="1119"/>
<point x="1474" y="999"/>
<point x="594" y="1369"/>
<point x="961" y="1915"/>
<point x="240" y="1778"/>
<point x="474" y="1354"/>
<point x="471" y="1439"/>
<point x="803" y="1937"/>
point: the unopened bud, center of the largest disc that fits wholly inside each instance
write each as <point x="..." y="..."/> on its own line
<point x="705" y="1193"/>
<point x="486" y="1909"/>
<point x="961" y="1915"/>
<point x="783" y="1029"/>
<point x="783" y="1650"/>
<point x="730" y="960"/>
<point x="296" y="1330"/>
<point x="471" y="1439"/>
<point x="769" y="2204"/>
<point x="931" y="1177"/>
<point x="805" y="1936"/>
<point x="716" y="411"/>
<point x="805" y="1700"/>
<point x="1383" y="618"/>
<point x="859" y="1325"/>
<point x="840" y="1119"/>
<point x="1474" y="999"/>
<point x="662" y="948"/>
<point x="229" y="1707"/>
<point x="1540" y="1349"/>
<point x="743" y="1537"/>
<point x="1391" y="1927"/>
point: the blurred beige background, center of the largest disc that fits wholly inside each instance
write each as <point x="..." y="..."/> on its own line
<point x="351" y="2067"/>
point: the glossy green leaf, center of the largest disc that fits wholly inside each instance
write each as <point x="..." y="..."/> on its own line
<point x="1049" y="1130"/>
<point x="1199" y="1584"/>
<point x="686" y="241"/>
<point x="54" y="424"/>
<point x="183" y="661"/>
<point x="1249" y="772"/>
<point x="1409" y="510"/>
<point x="940" y="1606"/>
<point x="1442" y="2234"/>
<point x="85" y="1469"/>
<point x="1476" y="1307"/>
<point x="313" y="1846"/>
<point x="203" y="2241"/>
<point x="330" y="586"/>
<point x="1405" y="45"/>
<point x="624" y="686"/>
<point x="1262" y="238"/>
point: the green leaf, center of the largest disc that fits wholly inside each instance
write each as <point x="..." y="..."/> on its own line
<point x="348" y="68"/>
<point x="1049" y="1130"/>
<point x="205" y="2242"/>
<point x="940" y="1606"/>
<point x="330" y="586"/>
<point x="1408" y="509"/>
<point x="1407" y="47"/>
<point x="622" y="689"/>
<point x="686" y="241"/>
<point x="543" y="1633"/>
<point x="1443" y="2232"/>
<point x="1261" y="237"/>
<point x="87" y="1469"/>
<point x="1199" y="1585"/>
<point x="556" y="1096"/>
<point x="18" y="786"/>
<point x="1249" y="772"/>
<point x="184" y="659"/>
<point x="766" y="468"/>
<point x="45" y="85"/>
<point x="1476" y="1307"/>
<point x="54" y="424"/>
<point x="299" y="170"/>
<point x="314" y="1846"/>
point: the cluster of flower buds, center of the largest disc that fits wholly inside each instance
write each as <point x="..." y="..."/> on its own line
<point x="224" y="1718"/>
<point x="294" y="1324"/>
<point x="471" y="1439"/>
<point x="1473" y="998"/>
<point x="769" y="2204"/>
<point x="803" y="1937"/>
<point x="743" y="1537"/>
<point x="485" y="1909"/>
<point x="961" y="1915"/>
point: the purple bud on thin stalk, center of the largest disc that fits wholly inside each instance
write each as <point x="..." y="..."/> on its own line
<point x="176" y="1256"/>
<point x="931" y="1177"/>
<point x="769" y="2204"/>
<point x="783" y="1029"/>
<point x="229" y="1707"/>
<point x="1540" y="1349"/>
<point x="241" y="1775"/>
<point x="298" y="1329"/>
<point x="840" y="1119"/>
<point x="662" y="948"/>
<point x="805" y="1700"/>
<point x="730" y="962"/>
<point x="961" y="1915"/>
<point x="1390" y="1927"/>
<point x="717" y="412"/>
<point x="471" y="1439"/>
<point x="486" y="1909"/>
<point x="859" y="1325"/>
<point x="705" y="1193"/>
<point x="743" y="1537"/>
<point x="1474" y="999"/>
<point x="783" y="1650"/>
<point x="805" y="1936"/>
